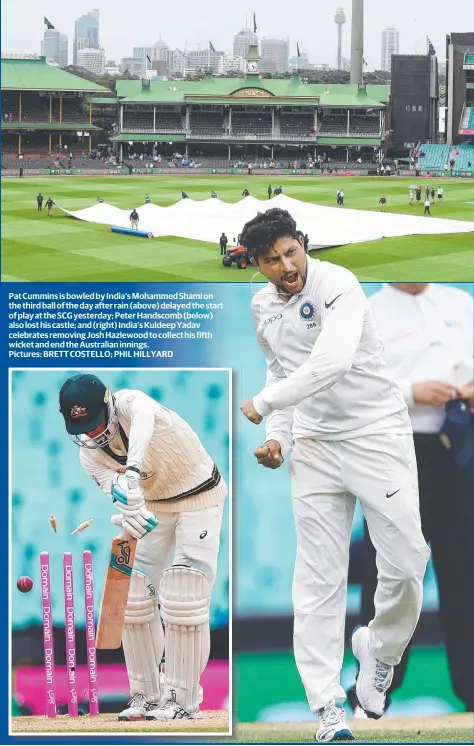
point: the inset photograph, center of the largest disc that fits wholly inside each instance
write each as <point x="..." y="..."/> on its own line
<point x="149" y="173"/>
<point x="356" y="577"/>
<point x="120" y="551"/>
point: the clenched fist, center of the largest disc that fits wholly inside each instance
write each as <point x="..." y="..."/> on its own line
<point x="250" y="412"/>
<point x="269" y="454"/>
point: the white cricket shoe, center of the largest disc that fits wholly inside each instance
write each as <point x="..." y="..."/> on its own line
<point x="332" y="724"/>
<point x="137" y="708"/>
<point x="374" y="677"/>
<point x="170" y="709"/>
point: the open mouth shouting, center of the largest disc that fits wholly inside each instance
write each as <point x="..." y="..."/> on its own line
<point x="292" y="282"/>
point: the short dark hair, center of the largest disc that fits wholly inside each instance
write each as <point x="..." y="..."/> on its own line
<point x="263" y="231"/>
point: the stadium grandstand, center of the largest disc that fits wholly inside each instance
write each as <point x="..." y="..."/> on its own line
<point x="434" y="157"/>
<point x="464" y="158"/>
<point x="466" y="126"/>
<point x="47" y="115"/>
<point x="250" y="120"/>
<point x="460" y="88"/>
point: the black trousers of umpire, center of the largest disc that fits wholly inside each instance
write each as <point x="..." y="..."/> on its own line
<point x="446" y="508"/>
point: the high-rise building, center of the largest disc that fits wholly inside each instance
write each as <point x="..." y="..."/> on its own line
<point x="275" y="54"/>
<point x="50" y="45"/>
<point x="160" y="50"/>
<point x="63" y="50"/>
<point x="141" y="53"/>
<point x="55" y="47"/>
<point x="390" y="46"/>
<point x="86" y="33"/>
<point x="176" y="59"/>
<point x="92" y="60"/>
<point x="299" y="63"/>
<point x="231" y="63"/>
<point x="242" y="41"/>
<point x="203" y="59"/>
<point x="111" y="68"/>
<point x="133" y="65"/>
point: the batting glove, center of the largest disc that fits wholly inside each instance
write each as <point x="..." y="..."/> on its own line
<point x="138" y="525"/>
<point x="127" y="494"/>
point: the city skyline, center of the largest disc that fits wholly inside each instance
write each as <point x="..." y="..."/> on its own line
<point x="317" y="36"/>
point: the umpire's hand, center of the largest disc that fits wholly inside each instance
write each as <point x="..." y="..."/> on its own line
<point x="269" y="454"/>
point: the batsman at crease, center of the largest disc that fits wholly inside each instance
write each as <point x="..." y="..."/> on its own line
<point x="169" y="496"/>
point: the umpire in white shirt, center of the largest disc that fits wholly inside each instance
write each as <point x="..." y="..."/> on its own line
<point x="330" y="395"/>
<point x="428" y="335"/>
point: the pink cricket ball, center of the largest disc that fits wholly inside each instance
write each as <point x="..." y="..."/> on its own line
<point x="24" y="584"/>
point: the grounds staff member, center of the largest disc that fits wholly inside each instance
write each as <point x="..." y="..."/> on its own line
<point x="428" y="335"/>
<point x="329" y="390"/>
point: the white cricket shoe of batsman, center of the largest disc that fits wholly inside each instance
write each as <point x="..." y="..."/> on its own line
<point x="170" y="709"/>
<point x="374" y="676"/>
<point x="332" y="724"/>
<point x="137" y="708"/>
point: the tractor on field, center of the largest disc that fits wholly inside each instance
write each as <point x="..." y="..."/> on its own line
<point x="237" y="255"/>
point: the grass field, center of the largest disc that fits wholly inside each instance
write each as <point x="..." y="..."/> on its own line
<point x="439" y="729"/>
<point x="38" y="248"/>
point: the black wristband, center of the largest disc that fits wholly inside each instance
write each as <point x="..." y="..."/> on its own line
<point x="133" y="468"/>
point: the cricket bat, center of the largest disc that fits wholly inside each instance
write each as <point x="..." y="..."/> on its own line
<point x="115" y="595"/>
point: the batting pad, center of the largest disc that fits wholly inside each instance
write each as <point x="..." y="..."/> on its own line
<point x="143" y="638"/>
<point x="184" y="599"/>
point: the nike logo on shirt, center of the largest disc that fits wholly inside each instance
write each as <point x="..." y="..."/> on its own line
<point x="328" y="305"/>
<point x="391" y="494"/>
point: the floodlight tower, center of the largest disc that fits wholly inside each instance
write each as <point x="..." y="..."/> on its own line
<point x="339" y="20"/>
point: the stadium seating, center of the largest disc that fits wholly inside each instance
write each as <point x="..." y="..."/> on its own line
<point x="30" y="163"/>
<point x="206" y="123"/>
<point x="435" y="156"/>
<point x="138" y="121"/>
<point x="296" y="125"/>
<point x="252" y="124"/>
<point x="469" y="58"/>
<point x="69" y="112"/>
<point x="470" y="121"/>
<point x="466" y="156"/>
<point x="11" y="161"/>
<point x="359" y="126"/>
<point x="168" y="122"/>
<point x="35" y="113"/>
<point x="142" y="121"/>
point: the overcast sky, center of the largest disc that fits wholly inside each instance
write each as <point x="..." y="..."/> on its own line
<point x="124" y="25"/>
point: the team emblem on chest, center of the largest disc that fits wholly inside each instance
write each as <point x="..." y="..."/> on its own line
<point x="307" y="311"/>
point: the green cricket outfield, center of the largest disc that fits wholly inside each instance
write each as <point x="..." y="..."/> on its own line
<point x="38" y="248"/>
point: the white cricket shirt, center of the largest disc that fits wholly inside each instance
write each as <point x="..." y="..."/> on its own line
<point x="325" y="368"/>
<point x="169" y="454"/>
<point x="427" y="337"/>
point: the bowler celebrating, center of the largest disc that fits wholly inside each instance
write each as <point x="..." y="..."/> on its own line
<point x="330" y="397"/>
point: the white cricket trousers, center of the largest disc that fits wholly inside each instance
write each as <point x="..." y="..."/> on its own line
<point x="327" y="477"/>
<point x="189" y="538"/>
